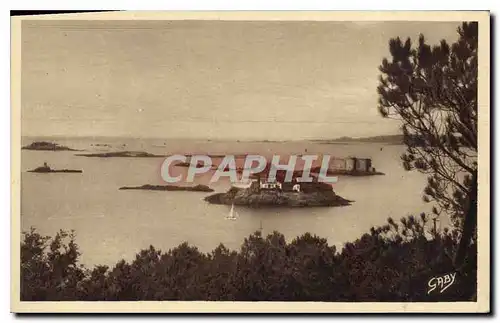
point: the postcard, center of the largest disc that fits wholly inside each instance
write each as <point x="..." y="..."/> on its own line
<point x="188" y="162"/>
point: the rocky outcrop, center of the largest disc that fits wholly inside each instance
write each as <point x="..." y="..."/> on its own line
<point x="276" y="198"/>
<point x="47" y="146"/>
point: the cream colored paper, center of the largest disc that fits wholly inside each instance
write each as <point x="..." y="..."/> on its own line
<point x="483" y="290"/>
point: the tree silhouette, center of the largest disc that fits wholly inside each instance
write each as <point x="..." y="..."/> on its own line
<point x="49" y="266"/>
<point x="433" y="91"/>
<point x="390" y="263"/>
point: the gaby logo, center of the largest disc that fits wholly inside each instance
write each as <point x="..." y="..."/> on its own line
<point x="254" y="165"/>
<point x="441" y="283"/>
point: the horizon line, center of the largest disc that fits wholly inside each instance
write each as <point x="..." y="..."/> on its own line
<point x="204" y="138"/>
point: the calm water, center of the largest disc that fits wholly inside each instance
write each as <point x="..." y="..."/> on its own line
<point x="111" y="224"/>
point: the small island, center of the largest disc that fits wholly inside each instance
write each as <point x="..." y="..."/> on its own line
<point x="149" y="187"/>
<point x="47" y="146"/>
<point x="101" y="145"/>
<point x="277" y="194"/>
<point x="46" y="169"/>
<point x="188" y="164"/>
<point x="134" y="154"/>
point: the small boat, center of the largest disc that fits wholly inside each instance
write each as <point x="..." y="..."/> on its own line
<point x="233" y="215"/>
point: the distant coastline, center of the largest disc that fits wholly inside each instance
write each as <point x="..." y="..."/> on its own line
<point x="395" y="139"/>
<point x="386" y="139"/>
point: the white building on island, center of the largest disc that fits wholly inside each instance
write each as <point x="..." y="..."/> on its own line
<point x="270" y="185"/>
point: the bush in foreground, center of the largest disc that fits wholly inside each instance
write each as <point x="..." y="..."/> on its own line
<point x="390" y="263"/>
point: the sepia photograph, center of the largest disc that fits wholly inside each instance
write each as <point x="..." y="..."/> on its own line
<point x="285" y="161"/>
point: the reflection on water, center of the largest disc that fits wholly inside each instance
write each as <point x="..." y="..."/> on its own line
<point x="111" y="224"/>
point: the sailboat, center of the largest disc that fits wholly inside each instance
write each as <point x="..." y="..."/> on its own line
<point x="232" y="214"/>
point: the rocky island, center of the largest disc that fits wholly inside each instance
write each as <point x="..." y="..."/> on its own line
<point x="136" y="154"/>
<point x="149" y="187"/>
<point x="310" y="195"/>
<point x="47" y="146"/>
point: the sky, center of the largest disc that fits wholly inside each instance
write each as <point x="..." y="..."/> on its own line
<point x="209" y="79"/>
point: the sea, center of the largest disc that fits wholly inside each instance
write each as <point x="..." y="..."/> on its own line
<point x="112" y="224"/>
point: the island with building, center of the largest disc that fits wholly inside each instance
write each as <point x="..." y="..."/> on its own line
<point x="47" y="146"/>
<point x="47" y="169"/>
<point x="260" y="191"/>
<point x="279" y="193"/>
<point x="350" y="166"/>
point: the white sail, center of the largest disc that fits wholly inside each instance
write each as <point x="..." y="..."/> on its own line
<point x="232" y="213"/>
